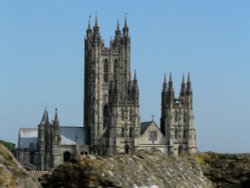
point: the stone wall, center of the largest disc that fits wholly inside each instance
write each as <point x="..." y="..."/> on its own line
<point x="145" y="169"/>
<point x="226" y="170"/>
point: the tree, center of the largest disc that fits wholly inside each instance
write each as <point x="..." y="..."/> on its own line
<point x="9" y="145"/>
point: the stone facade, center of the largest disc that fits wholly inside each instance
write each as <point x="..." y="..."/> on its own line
<point x="50" y="144"/>
<point x="111" y="112"/>
<point x="177" y="119"/>
<point x="111" y="100"/>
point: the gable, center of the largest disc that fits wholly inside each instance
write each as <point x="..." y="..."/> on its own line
<point x="151" y="134"/>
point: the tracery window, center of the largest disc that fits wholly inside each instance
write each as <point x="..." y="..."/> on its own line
<point x="152" y="136"/>
<point x="32" y="157"/>
<point x="105" y="116"/>
<point x="115" y="69"/>
<point x="130" y="132"/>
<point x="105" y="71"/>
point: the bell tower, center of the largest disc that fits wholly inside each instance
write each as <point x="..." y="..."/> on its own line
<point x="111" y="98"/>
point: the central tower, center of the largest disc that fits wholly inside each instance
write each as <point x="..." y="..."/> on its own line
<point x="111" y="98"/>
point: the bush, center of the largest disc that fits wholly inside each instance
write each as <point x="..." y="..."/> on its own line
<point x="8" y="145"/>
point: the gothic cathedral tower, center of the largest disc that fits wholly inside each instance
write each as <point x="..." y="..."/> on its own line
<point x="177" y="119"/>
<point x="111" y="98"/>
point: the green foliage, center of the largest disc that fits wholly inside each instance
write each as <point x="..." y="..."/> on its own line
<point x="9" y="145"/>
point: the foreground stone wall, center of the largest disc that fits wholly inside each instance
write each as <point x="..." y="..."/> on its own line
<point x="145" y="169"/>
<point x="226" y="170"/>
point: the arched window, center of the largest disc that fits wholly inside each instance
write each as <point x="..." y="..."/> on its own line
<point x="126" y="149"/>
<point x="130" y="132"/>
<point x="105" y="71"/>
<point x="105" y="116"/>
<point x="180" y="150"/>
<point x="84" y="153"/>
<point x="115" y="69"/>
<point x="66" y="156"/>
<point x="122" y="132"/>
<point x="32" y="157"/>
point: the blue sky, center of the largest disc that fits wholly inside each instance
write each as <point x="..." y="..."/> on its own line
<point x="41" y="61"/>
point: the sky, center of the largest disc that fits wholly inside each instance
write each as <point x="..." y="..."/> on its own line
<point x="41" y="61"/>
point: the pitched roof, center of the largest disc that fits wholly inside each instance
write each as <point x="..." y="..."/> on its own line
<point x="144" y="126"/>
<point x="73" y="135"/>
<point x="28" y="137"/>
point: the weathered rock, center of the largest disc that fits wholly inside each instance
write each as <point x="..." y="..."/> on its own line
<point x="226" y="170"/>
<point x="145" y="169"/>
<point x="12" y="173"/>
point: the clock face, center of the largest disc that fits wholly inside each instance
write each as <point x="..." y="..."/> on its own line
<point x="152" y="135"/>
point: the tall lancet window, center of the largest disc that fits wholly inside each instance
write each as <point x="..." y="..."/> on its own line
<point x="105" y="71"/>
<point x="105" y="116"/>
<point x="115" y="69"/>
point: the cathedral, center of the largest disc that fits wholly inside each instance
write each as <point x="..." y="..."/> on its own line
<point x="112" y="122"/>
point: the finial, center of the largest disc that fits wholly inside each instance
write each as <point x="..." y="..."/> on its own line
<point x="170" y="77"/>
<point x="188" y="77"/>
<point x="89" y="26"/>
<point x="125" y="21"/>
<point x="164" y="89"/>
<point x="183" y="78"/>
<point x="96" y="22"/>
<point x="135" y="75"/>
<point x="118" y="25"/>
<point x="56" y="120"/>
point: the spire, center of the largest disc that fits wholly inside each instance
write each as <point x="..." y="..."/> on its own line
<point x="45" y="118"/>
<point x="96" y="34"/>
<point x="170" y="77"/>
<point x="183" y="83"/>
<point x="189" y="88"/>
<point x="170" y="83"/>
<point x="135" y="78"/>
<point x="89" y="25"/>
<point x="189" y="93"/>
<point x="188" y="77"/>
<point x="165" y="87"/>
<point x="125" y="21"/>
<point x="125" y="28"/>
<point x="135" y="88"/>
<point x="118" y="26"/>
<point x="89" y="31"/>
<point x="56" y="120"/>
<point x="96" y="21"/>
<point x="170" y="93"/>
<point x="135" y="84"/>
<point x="183" y="86"/>
<point x="117" y="32"/>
